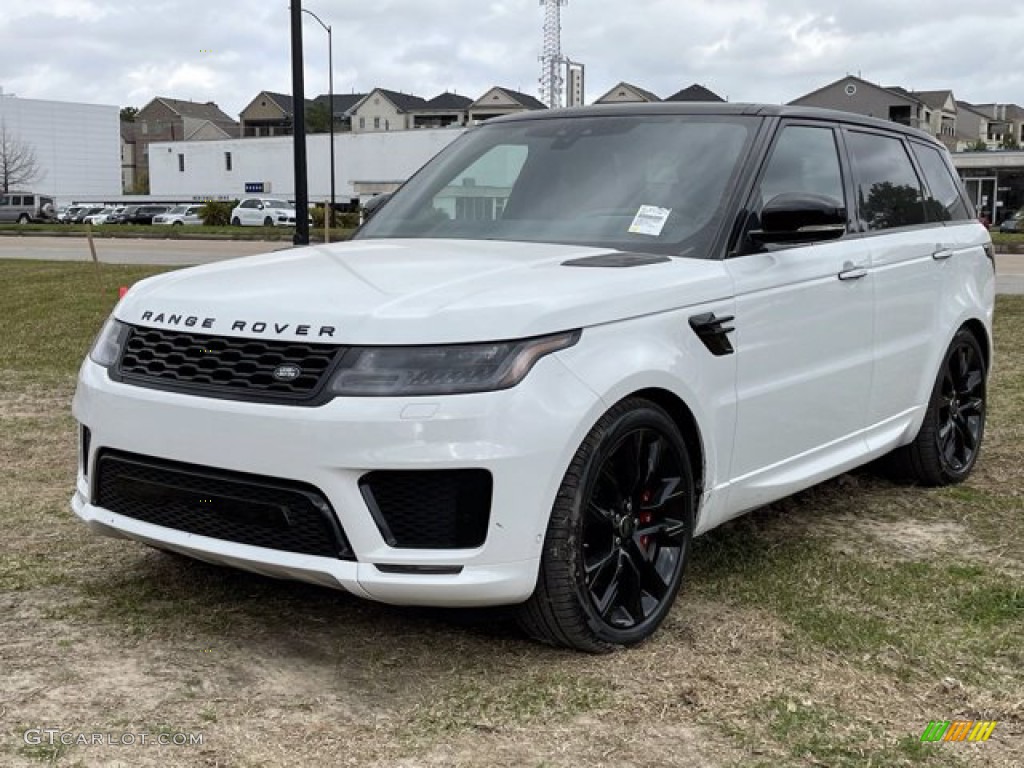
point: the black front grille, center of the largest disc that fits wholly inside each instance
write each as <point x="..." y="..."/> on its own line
<point x="224" y="366"/>
<point x="233" y="506"/>
<point x="430" y="509"/>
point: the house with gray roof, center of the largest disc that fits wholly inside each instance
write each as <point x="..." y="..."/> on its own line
<point x="695" y="92"/>
<point x="626" y="93"/>
<point x="165" y="119"/>
<point x="498" y="101"/>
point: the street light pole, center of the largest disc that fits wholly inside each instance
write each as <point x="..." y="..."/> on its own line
<point x="301" y="236"/>
<point x="330" y="96"/>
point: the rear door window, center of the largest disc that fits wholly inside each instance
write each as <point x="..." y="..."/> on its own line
<point x="889" y="193"/>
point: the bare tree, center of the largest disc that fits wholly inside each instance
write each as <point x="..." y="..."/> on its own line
<point x="18" y="164"/>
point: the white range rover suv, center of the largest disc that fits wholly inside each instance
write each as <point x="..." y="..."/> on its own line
<point x="570" y="343"/>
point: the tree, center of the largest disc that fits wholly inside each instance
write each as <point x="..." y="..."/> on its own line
<point x="318" y="118"/>
<point x="978" y="146"/>
<point x="18" y="164"/>
<point x="128" y="114"/>
<point x="1009" y="142"/>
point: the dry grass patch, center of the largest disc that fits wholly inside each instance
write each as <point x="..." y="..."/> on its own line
<point x="826" y="630"/>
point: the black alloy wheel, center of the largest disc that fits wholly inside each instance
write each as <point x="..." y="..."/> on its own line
<point x="961" y="407"/>
<point x="619" y="534"/>
<point x="946" y="449"/>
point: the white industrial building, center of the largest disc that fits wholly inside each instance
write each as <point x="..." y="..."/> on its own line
<point x="77" y="146"/>
<point x="365" y="164"/>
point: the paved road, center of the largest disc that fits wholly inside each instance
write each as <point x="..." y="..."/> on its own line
<point x="176" y="253"/>
<point x="1009" y="267"/>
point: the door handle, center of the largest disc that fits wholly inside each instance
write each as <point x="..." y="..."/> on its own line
<point x="941" y="254"/>
<point x="853" y="271"/>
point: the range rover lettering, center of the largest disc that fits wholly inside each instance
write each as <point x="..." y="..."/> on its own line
<point x="569" y="344"/>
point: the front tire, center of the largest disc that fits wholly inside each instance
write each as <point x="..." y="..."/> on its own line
<point x="268" y="222"/>
<point x="23" y="219"/>
<point x="946" y="449"/>
<point x="619" y="534"/>
<point x="235" y="222"/>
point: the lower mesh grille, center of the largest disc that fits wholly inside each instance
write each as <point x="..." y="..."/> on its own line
<point x="232" y="506"/>
<point x="430" y="509"/>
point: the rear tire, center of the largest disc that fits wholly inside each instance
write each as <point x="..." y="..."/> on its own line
<point x="619" y="534"/>
<point x="24" y="219"/>
<point x="946" y="449"/>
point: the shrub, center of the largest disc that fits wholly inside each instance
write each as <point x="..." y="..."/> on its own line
<point x="217" y="213"/>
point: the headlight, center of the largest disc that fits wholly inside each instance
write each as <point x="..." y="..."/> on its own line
<point x="107" y="347"/>
<point x="442" y="370"/>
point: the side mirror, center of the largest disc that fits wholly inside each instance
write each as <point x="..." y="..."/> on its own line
<point x="800" y="218"/>
<point x="373" y="205"/>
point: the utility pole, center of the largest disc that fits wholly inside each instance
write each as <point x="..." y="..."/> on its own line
<point x="299" y="130"/>
<point x="330" y="95"/>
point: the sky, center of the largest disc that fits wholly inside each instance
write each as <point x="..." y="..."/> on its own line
<point x="227" y="51"/>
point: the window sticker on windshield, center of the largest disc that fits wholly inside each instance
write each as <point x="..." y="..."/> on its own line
<point x="649" y="220"/>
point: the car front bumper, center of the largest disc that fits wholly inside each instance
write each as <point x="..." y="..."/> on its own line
<point x="524" y="437"/>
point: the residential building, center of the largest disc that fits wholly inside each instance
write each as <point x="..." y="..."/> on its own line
<point x="76" y="146"/>
<point x="164" y="119"/>
<point x="502" y="101"/>
<point x="971" y="126"/>
<point x="1005" y="125"/>
<point x="344" y="103"/>
<point x="384" y="110"/>
<point x="443" y="110"/>
<point x="695" y="92"/>
<point x="269" y="114"/>
<point x="626" y="93"/>
<point x="854" y="94"/>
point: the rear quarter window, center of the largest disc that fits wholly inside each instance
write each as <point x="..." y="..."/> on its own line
<point x="944" y="201"/>
<point x="889" y="192"/>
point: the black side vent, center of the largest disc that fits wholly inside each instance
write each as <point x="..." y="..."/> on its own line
<point x="617" y="260"/>
<point x="430" y="509"/>
<point x="714" y="332"/>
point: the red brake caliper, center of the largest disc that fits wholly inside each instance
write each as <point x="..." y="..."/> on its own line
<point x="645" y="517"/>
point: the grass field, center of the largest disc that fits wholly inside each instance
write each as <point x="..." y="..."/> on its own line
<point x="826" y="630"/>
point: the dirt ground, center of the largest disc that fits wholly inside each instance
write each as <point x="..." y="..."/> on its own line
<point x="827" y="630"/>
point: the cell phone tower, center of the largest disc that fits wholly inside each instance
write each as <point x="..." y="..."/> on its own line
<point x="552" y="63"/>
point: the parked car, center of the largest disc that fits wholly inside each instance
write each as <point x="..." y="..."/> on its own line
<point x="263" y="212"/>
<point x="569" y="344"/>
<point x="103" y="216"/>
<point x="179" y="215"/>
<point x="1013" y="224"/>
<point x="84" y="213"/>
<point x="142" y="214"/>
<point x="25" y="208"/>
<point x="119" y="216"/>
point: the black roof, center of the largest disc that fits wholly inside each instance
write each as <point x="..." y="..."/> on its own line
<point x="695" y="92"/>
<point x="343" y="102"/>
<point x="710" y="108"/>
<point x="448" y="100"/>
<point x="404" y="102"/>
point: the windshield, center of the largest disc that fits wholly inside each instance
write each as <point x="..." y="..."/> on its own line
<point x="178" y="209"/>
<point x="652" y="183"/>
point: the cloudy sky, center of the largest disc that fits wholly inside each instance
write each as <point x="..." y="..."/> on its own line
<point x="124" y="53"/>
